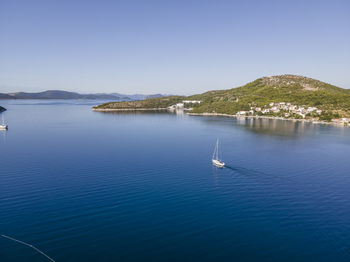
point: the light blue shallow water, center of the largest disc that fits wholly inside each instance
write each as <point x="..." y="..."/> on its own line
<point x="89" y="186"/>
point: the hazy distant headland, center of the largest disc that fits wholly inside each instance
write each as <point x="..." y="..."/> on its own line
<point x="283" y="96"/>
<point x="59" y="94"/>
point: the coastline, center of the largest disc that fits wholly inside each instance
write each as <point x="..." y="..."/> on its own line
<point x="220" y="114"/>
<point x="268" y="117"/>
<point x="127" y="109"/>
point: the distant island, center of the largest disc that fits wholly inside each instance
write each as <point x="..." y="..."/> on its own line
<point x="59" y="94"/>
<point x="283" y="97"/>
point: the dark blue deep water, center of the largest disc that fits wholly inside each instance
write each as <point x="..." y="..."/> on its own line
<point x="88" y="186"/>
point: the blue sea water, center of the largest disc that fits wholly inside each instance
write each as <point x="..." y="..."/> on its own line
<point x="90" y="186"/>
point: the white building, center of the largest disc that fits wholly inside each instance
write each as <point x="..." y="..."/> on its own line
<point x="302" y="115"/>
<point x="311" y="109"/>
<point x="191" y="102"/>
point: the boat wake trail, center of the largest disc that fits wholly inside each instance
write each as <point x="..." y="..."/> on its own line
<point x="245" y="171"/>
<point x="260" y="174"/>
<point x="29" y="245"/>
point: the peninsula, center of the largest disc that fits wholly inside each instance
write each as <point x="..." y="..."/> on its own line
<point x="160" y="103"/>
<point x="283" y="97"/>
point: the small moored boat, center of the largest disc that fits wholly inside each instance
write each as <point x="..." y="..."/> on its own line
<point x="215" y="160"/>
<point x="3" y="126"/>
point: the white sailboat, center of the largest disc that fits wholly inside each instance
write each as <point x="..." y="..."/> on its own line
<point x="3" y="126"/>
<point x="215" y="160"/>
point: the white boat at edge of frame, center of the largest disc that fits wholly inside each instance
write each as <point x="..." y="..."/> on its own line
<point x="3" y="126"/>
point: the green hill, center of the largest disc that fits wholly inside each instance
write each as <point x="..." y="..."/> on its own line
<point x="297" y="90"/>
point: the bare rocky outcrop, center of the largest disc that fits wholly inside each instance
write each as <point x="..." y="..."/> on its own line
<point x="307" y="83"/>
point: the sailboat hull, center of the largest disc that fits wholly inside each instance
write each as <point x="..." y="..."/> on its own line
<point x="218" y="163"/>
<point x="3" y="127"/>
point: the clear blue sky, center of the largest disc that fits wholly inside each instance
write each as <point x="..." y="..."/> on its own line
<point x="177" y="47"/>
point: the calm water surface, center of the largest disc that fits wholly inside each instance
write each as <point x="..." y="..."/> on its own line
<point x="89" y="186"/>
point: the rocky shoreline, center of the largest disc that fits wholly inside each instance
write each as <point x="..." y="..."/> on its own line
<point x="267" y="117"/>
<point x="219" y="114"/>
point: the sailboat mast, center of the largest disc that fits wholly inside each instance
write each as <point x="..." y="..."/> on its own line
<point x="214" y="154"/>
<point x="217" y="149"/>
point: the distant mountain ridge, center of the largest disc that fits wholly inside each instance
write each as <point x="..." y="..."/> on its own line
<point x="60" y="94"/>
<point x="140" y="96"/>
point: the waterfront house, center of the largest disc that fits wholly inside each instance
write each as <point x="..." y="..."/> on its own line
<point x="191" y="102"/>
<point x="311" y="109"/>
<point x="242" y="113"/>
